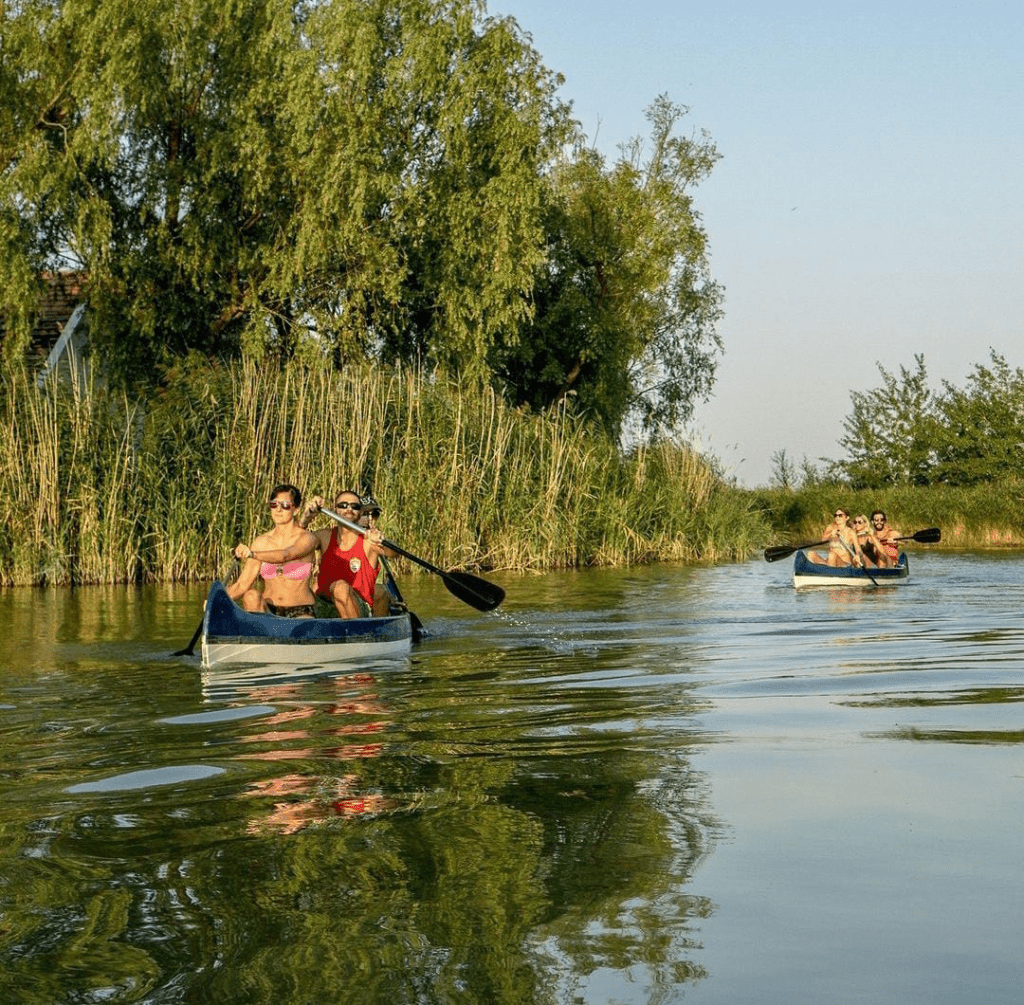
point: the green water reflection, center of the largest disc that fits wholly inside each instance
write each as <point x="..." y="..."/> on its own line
<point x="644" y="786"/>
<point x="446" y="830"/>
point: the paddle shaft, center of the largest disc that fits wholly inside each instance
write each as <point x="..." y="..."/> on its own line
<point x="468" y="588"/>
<point x="417" y="625"/>
<point x="190" y="649"/>
<point x="385" y="543"/>
<point x="863" y="564"/>
<point x="930" y="535"/>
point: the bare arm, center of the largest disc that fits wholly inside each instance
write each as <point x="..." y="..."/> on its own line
<point x="246" y="577"/>
<point x="310" y="508"/>
<point x="373" y="547"/>
<point x="306" y="545"/>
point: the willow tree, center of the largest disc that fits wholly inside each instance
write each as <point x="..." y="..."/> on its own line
<point x="624" y="305"/>
<point x="363" y="175"/>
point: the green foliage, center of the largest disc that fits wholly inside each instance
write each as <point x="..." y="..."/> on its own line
<point x="889" y="435"/>
<point x="624" y="305"/>
<point x="784" y="474"/>
<point x="232" y="175"/>
<point x="382" y="180"/>
<point x="979" y="432"/>
<point x="903" y="434"/>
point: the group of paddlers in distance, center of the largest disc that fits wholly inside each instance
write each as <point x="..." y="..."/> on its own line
<point x="864" y="543"/>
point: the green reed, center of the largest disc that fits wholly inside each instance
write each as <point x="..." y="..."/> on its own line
<point x="99" y="489"/>
<point x="69" y="484"/>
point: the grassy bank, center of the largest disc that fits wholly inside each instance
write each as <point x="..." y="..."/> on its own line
<point x="983" y="516"/>
<point x="97" y="488"/>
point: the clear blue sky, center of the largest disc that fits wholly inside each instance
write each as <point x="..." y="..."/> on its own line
<point x="869" y="203"/>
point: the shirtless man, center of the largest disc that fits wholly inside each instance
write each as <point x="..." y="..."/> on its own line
<point x="886" y="535"/>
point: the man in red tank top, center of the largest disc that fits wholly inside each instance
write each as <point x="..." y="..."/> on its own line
<point x="349" y="563"/>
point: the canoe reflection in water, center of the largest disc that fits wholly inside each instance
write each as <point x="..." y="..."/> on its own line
<point x="293" y="734"/>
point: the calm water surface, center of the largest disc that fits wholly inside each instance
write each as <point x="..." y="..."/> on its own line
<point x="644" y="786"/>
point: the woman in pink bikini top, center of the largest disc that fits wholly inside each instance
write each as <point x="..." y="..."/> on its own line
<point x="282" y="558"/>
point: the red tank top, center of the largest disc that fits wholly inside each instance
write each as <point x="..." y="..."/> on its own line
<point x="351" y="566"/>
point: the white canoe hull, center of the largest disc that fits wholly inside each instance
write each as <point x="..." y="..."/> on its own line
<point x="231" y="635"/>
<point x="808" y="573"/>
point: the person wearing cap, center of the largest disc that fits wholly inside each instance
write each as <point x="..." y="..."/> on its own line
<point x="382" y="595"/>
<point x="370" y="512"/>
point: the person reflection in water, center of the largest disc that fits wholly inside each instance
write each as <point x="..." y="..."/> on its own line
<point x="319" y="799"/>
<point x="295" y="735"/>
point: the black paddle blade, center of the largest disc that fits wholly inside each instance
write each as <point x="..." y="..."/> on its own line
<point x="189" y="650"/>
<point x="931" y="535"/>
<point x="473" y="590"/>
<point x="784" y="550"/>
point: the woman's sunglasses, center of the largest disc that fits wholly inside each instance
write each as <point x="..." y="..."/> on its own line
<point x="274" y="504"/>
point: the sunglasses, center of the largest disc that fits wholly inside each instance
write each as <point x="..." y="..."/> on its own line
<point x="274" y="504"/>
<point x="860" y="521"/>
<point x="348" y="504"/>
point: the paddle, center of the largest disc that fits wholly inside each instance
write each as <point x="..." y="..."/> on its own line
<point x="853" y="557"/>
<point x="190" y="649"/>
<point x="468" y="588"/>
<point x="783" y="550"/>
<point x="928" y="536"/>
<point x="417" y="625"/>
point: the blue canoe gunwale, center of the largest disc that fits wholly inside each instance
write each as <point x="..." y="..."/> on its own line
<point x="808" y="573"/>
<point x="233" y="635"/>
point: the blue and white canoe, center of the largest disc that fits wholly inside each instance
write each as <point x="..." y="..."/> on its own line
<point x="808" y="573"/>
<point x="232" y="635"/>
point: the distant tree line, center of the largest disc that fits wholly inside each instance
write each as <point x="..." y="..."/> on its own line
<point x="383" y="180"/>
<point x="904" y="433"/>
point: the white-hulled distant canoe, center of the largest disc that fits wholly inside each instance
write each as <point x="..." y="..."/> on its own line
<point x="231" y="635"/>
<point x="808" y="573"/>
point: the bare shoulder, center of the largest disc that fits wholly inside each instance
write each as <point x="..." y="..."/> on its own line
<point x="264" y="543"/>
<point x="321" y="538"/>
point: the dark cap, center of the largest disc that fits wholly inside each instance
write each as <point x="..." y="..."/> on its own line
<point x="370" y="506"/>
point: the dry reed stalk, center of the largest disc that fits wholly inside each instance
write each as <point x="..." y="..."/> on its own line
<point x="93" y="490"/>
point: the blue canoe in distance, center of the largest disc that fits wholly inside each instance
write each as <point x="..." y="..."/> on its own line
<point x="808" y="573"/>
<point x="232" y="635"/>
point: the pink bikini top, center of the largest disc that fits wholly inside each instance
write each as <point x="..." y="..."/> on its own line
<point x="290" y="570"/>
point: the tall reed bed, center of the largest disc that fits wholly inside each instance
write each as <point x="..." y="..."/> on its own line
<point x="99" y="489"/>
<point x="69" y="482"/>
